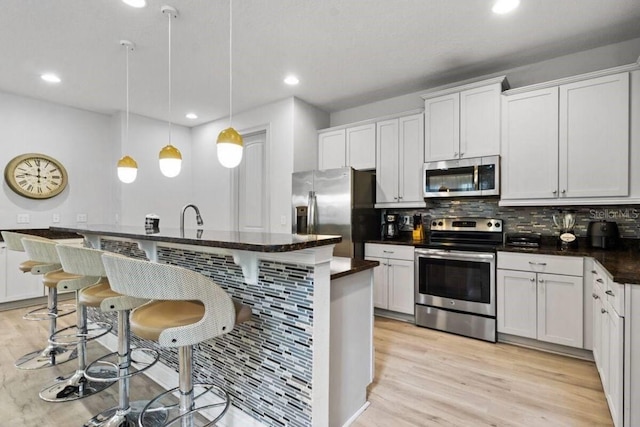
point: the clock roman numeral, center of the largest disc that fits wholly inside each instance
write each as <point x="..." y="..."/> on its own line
<point x="37" y="162"/>
<point x="22" y="183"/>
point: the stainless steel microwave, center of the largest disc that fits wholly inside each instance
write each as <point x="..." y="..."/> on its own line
<point x="476" y="176"/>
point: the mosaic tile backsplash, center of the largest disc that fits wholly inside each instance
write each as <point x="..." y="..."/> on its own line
<point x="265" y="364"/>
<point x="536" y="218"/>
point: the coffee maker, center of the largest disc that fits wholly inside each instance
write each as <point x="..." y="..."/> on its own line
<point x="390" y="228"/>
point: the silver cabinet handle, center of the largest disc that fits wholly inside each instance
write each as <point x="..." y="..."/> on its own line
<point x="461" y="154"/>
<point x="541" y="281"/>
<point x="595" y="296"/>
<point x="399" y="197"/>
<point x="455" y="154"/>
<point x="532" y="279"/>
<point x="564" y="191"/>
<point x="395" y="198"/>
<point x="537" y="263"/>
<point x="554" y="192"/>
<point x="597" y="280"/>
<point x="385" y="251"/>
<point x="610" y="293"/>
<point x="594" y="272"/>
<point x="603" y="311"/>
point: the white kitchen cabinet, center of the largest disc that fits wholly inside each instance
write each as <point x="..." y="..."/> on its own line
<point x="393" y="284"/>
<point x="567" y="142"/>
<point x="609" y="341"/>
<point x="541" y="297"/>
<point x="464" y="121"/>
<point x="399" y="145"/>
<point x="352" y="146"/>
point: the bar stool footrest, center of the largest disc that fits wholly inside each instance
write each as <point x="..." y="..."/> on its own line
<point x="50" y="356"/>
<point x="214" y="403"/>
<point x="125" y="418"/>
<point x="77" y="386"/>
<point x="65" y="337"/>
<point x="43" y="313"/>
<point x="141" y="360"/>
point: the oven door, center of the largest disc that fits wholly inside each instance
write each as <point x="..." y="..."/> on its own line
<point x="456" y="280"/>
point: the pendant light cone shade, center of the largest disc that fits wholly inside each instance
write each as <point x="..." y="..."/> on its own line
<point x="170" y="161"/>
<point x="229" y="147"/>
<point x="127" y="170"/>
<point x="127" y="167"/>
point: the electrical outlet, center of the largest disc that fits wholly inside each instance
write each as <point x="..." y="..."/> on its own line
<point x="81" y="218"/>
<point x="283" y="220"/>
<point x="55" y="218"/>
<point x="23" y="218"/>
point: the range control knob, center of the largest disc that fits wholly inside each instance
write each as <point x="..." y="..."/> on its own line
<point x="440" y="223"/>
<point x="489" y="224"/>
<point x="497" y="225"/>
<point x="434" y="223"/>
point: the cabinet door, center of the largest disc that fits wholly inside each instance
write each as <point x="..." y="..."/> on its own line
<point x="3" y="270"/>
<point x="410" y="157"/>
<point x="597" y="326"/>
<point x="332" y="149"/>
<point x="20" y="285"/>
<point x="480" y="121"/>
<point x="560" y="305"/>
<point x="387" y="143"/>
<point x="530" y="145"/>
<point x="361" y="147"/>
<point x="442" y="127"/>
<point x="516" y="295"/>
<point x="401" y="286"/>
<point x="380" y="283"/>
<point x="594" y="137"/>
<point x="614" y="391"/>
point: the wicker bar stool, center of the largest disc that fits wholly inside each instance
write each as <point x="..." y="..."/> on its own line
<point x="46" y="263"/>
<point x="187" y="308"/>
<point x="126" y="361"/>
<point x="91" y="288"/>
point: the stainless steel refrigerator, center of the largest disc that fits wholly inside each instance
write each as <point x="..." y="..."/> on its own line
<point x="337" y="202"/>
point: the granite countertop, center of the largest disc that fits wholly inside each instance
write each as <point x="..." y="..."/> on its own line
<point x="45" y="232"/>
<point x="623" y="264"/>
<point x="257" y="242"/>
<point x="341" y="266"/>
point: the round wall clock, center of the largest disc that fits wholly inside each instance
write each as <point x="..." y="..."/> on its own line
<point x="35" y="176"/>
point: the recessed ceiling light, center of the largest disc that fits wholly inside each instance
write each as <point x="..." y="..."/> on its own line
<point x="50" y="78"/>
<point x="135" y="3"/>
<point x="291" y="80"/>
<point x="191" y="116"/>
<point x="501" y="7"/>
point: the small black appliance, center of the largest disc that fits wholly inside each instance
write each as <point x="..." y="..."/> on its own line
<point x="390" y="228"/>
<point x="603" y="234"/>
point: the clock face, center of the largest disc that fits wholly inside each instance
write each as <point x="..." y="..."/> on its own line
<point x="35" y="176"/>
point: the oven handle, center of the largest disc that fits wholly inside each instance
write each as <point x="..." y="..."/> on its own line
<point x="458" y="255"/>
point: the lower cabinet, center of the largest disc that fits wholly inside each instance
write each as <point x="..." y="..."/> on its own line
<point x="541" y="297"/>
<point x="608" y="341"/>
<point x="393" y="285"/>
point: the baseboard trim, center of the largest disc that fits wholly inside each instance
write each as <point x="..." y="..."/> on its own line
<point x="167" y="378"/>
<point x="357" y="414"/>
<point x="32" y="302"/>
<point x="562" y="350"/>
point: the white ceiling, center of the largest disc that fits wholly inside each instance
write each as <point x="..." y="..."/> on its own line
<point x="345" y="52"/>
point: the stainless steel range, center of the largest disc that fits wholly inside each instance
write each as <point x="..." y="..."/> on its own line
<point x="455" y="277"/>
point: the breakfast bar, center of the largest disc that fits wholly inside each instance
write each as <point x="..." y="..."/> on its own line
<point x="312" y="320"/>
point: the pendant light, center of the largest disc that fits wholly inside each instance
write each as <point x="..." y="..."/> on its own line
<point x="229" y="144"/>
<point x="127" y="167"/>
<point x="170" y="158"/>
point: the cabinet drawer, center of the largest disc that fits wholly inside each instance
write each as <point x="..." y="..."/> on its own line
<point x="389" y="251"/>
<point x="615" y="296"/>
<point x="555" y="264"/>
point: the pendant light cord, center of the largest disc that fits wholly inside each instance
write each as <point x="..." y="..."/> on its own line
<point x="230" y="63"/>
<point x="170" y="14"/>
<point x="126" y="138"/>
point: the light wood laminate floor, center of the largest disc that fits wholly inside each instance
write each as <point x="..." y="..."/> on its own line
<point x="423" y="378"/>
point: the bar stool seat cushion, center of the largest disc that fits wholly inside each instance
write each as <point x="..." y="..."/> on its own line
<point x="149" y="320"/>
<point x="52" y="278"/>
<point x="27" y="266"/>
<point x="92" y="296"/>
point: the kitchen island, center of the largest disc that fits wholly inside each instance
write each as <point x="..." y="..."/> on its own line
<point x="305" y="358"/>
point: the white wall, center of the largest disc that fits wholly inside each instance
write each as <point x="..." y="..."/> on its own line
<point x="603" y="57"/>
<point x="152" y="192"/>
<point x="80" y="139"/>
<point x="307" y="119"/>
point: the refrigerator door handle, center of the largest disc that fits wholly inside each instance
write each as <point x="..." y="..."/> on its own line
<point x="311" y="213"/>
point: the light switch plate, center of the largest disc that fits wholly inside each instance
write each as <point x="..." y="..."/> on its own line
<point x="82" y="217"/>
<point x="23" y="218"/>
<point x="55" y="218"/>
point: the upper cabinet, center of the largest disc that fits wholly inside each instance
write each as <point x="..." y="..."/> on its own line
<point x="352" y="146"/>
<point x="464" y="121"/>
<point x="399" y="162"/>
<point x="567" y="142"/>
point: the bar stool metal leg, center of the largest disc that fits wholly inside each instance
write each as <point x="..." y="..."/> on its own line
<point x="52" y="354"/>
<point x="76" y="385"/>
<point x="126" y="414"/>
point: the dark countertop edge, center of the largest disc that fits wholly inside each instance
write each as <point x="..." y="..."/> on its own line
<point x="622" y="264"/>
<point x="45" y="232"/>
<point x="254" y="247"/>
<point x="356" y="266"/>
